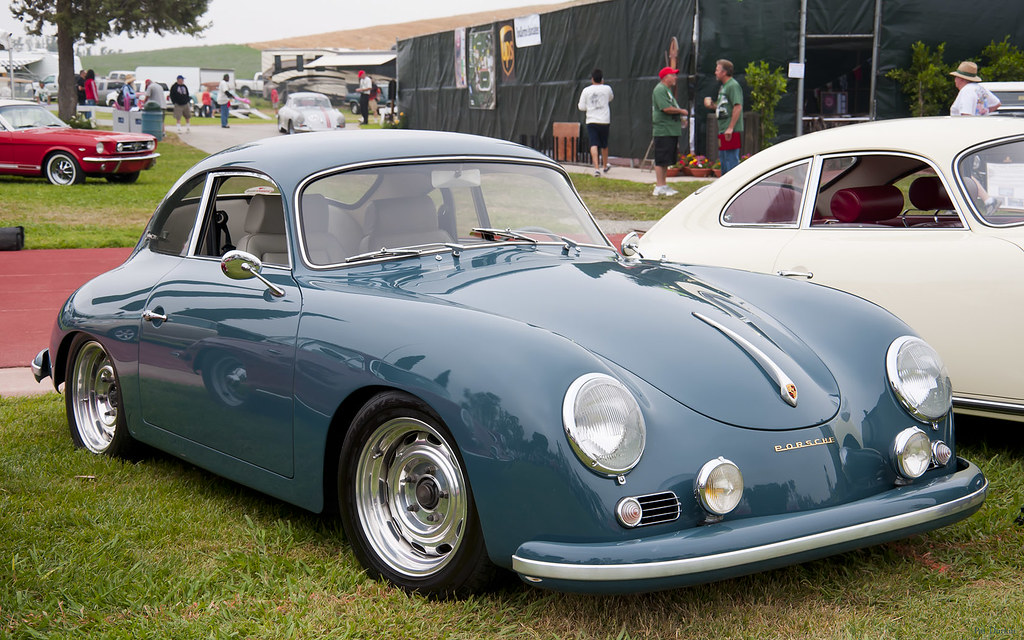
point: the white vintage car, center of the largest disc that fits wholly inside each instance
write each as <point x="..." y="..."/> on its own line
<point x="922" y="216"/>
<point x="308" y="111"/>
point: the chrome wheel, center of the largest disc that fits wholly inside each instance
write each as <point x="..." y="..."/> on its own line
<point x="61" y="169"/>
<point x="411" y="497"/>
<point x="93" y="397"/>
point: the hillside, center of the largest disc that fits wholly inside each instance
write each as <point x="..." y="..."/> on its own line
<point x="384" y="36"/>
<point x="243" y="59"/>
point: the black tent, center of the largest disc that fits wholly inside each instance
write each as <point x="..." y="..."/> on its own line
<point x="847" y="47"/>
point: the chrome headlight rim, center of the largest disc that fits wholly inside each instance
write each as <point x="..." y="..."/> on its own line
<point x="572" y="428"/>
<point x="896" y="382"/>
<point x="902" y="449"/>
<point x="704" y="477"/>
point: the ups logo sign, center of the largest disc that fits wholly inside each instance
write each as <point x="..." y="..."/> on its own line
<point x="506" y="36"/>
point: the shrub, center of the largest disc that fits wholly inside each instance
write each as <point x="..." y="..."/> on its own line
<point x="1006" y="62"/>
<point x="767" y="86"/>
<point x="926" y="84"/>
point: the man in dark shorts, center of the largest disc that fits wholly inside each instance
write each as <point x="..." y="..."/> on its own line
<point x="594" y="100"/>
<point x="666" y="120"/>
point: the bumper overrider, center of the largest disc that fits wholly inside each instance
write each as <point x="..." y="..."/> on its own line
<point x="733" y="548"/>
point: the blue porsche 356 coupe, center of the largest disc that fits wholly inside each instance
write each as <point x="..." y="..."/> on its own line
<point x="429" y="333"/>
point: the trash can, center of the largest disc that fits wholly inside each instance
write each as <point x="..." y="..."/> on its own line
<point x="153" y="120"/>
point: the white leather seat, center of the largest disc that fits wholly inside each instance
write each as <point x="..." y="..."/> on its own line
<point x="265" y="235"/>
<point x="322" y="246"/>
<point x="402" y="222"/>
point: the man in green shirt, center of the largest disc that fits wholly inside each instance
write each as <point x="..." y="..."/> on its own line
<point x="729" y="111"/>
<point x="666" y="120"/>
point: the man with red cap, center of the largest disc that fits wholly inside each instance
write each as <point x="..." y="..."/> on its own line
<point x="666" y="119"/>
<point x="365" y="86"/>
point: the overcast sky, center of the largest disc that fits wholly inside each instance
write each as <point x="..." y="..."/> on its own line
<point x="242" y="21"/>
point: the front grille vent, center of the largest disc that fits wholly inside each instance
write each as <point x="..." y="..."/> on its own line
<point x="133" y="147"/>
<point x="658" y="508"/>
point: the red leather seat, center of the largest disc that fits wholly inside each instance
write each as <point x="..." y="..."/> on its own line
<point x="928" y="194"/>
<point x="867" y="204"/>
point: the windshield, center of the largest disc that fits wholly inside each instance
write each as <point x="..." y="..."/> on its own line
<point x="29" y="116"/>
<point x="313" y="102"/>
<point x="993" y="180"/>
<point x="427" y="205"/>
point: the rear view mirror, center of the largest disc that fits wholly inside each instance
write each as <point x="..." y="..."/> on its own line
<point x="453" y="179"/>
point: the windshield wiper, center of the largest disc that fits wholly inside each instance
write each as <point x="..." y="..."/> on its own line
<point x="483" y="232"/>
<point x="383" y="252"/>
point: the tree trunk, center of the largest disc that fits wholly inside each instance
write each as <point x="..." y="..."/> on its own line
<point x="67" y="93"/>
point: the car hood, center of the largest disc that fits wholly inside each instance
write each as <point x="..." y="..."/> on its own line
<point x="710" y="350"/>
<point x="87" y="137"/>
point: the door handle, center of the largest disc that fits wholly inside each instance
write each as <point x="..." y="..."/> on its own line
<point x="151" y="316"/>
<point x="795" y="274"/>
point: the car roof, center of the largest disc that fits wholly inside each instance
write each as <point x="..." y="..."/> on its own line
<point x="6" y="102"/>
<point x="934" y="137"/>
<point x="289" y="159"/>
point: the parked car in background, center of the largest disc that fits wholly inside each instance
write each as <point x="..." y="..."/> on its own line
<point x="352" y="98"/>
<point x="923" y="216"/>
<point x="428" y="332"/>
<point x="247" y="87"/>
<point x="1011" y="97"/>
<point x="35" y="142"/>
<point x="308" y="111"/>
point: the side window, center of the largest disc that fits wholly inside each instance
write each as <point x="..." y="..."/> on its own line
<point x="774" y="200"/>
<point x="245" y="212"/>
<point x="172" y="225"/>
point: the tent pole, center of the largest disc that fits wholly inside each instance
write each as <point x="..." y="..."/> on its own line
<point x="875" y="45"/>
<point x="801" y="58"/>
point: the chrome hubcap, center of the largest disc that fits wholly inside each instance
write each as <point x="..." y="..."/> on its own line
<point x="62" y="170"/>
<point x="411" y="497"/>
<point x="96" y="397"/>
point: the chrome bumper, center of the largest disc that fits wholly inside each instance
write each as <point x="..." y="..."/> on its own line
<point x="750" y="547"/>
<point x="41" y="365"/>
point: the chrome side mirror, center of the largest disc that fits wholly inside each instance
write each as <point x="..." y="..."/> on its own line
<point x="240" y="265"/>
<point x="630" y="246"/>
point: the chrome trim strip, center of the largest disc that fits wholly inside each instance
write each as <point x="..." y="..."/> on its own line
<point x="151" y="156"/>
<point x="22" y="167"/>
<point x="686" y="566"/>
<point x="988" y="405"/>
<point x="787" y="389"/>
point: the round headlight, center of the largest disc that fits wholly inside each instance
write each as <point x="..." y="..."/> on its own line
<point x="604" y="424"/>
<point x="719" y="486"/>
<point x="919" y="378"/>
<point x="120" y="147"/>
<point x="99" y="147"/>
<point x="913" y="452"/>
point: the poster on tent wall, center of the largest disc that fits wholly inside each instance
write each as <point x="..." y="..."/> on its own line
<point x="480" y="70"/>
<point x="460" y="58"/>
<point x="528" y="31"/>
<point x="507" y="46"/>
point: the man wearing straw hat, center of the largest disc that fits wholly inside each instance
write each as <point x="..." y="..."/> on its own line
<point x="973" y="99"/>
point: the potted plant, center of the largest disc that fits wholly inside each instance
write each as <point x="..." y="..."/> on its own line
<point x="716" y="169"/>
<point x="699" y="167"/>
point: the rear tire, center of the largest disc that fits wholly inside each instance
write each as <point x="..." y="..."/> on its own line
<point x="406" y="503"/>
<point x="92" y="398"/>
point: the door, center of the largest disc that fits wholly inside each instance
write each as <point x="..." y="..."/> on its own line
<point x="216" y="355"/>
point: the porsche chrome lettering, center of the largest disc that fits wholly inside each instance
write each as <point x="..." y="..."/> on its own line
<point x="803" y="444"/>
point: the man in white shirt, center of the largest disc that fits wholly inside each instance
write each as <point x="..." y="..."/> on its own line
<point x="594" y="100"/>
<point x="225" y="91"/>
<point x="973" y="99"/>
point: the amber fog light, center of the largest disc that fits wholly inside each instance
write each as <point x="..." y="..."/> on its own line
<point x="719" y="486"/>
<point x="913" y="452"/>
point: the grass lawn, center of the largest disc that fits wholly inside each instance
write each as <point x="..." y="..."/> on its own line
<point x="98" y="548"/>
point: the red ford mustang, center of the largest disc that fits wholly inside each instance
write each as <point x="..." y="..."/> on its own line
<point x="33" y="141"/>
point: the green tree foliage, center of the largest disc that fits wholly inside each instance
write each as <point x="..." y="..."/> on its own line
<point x="1006" y="62"/>
<point x="90" y="20"/>
<point x="926" y="84"/>
<point x="767" y="86"/>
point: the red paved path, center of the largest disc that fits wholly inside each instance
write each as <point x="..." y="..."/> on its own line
<point x="33" y="286"/>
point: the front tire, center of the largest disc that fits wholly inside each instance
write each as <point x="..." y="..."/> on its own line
<point x="406" y="503"/>
<point x="92" y="397"/>
<point x="291" y="128"/>
<point x="62" y="169"/>
<point x="123" y="178"/>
